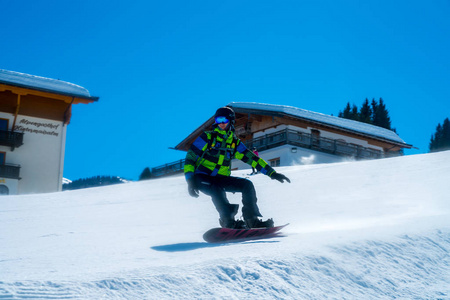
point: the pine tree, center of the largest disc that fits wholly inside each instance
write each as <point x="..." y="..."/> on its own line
<point x="374" y="109"/>
<point x="366" y="112"/>
<point x="350" y="112"/>
<point x="381" y="114"/>
<point x="446" y="134"/>
<point x="354" y="115"/>
<point x="146" y="174"/>
<point x="385" y="119"/>
<point x="440" y="141"/>
<point x="346" y="113"/>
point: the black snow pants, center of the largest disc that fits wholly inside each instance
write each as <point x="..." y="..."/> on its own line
<point x="217" y="186"/>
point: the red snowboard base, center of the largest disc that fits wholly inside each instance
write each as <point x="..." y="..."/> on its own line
<point x="223" y="235"/>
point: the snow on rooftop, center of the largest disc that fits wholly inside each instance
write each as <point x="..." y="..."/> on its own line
<point x="42" y="84"/>
<point x="342" y="123"/>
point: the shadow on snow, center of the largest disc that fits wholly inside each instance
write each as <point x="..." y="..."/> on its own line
<point x="194" y="246"/>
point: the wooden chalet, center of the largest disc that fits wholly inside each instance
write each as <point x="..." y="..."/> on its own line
<point x="285" y="135"/>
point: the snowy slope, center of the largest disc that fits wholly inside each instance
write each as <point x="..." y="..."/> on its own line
<point x="358" y="230"/>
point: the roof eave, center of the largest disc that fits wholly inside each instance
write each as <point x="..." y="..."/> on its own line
<point x="196" y="132"/>
<point x="30" y="87"/>
<point x="282" y="114"/>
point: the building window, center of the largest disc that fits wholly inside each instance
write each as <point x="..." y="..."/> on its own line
<point x="2" y="158"/>
<point x="4" y="124"/>
<point x="274" y="162"/>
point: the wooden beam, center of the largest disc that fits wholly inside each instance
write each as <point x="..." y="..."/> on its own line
<point x="56" y="96"/>
<point x="16" y="113"/>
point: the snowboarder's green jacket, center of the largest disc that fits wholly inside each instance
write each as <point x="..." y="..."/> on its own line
<point x="212" y="152"/>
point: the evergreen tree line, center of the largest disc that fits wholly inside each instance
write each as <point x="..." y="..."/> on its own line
<point x="440" y="140"/>
<point x="374" y="113"/>
<point x="92" y="182"/>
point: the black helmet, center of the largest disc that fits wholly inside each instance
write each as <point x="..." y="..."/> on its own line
<point x="225" y="112"/>
<point x="228" y="113"/>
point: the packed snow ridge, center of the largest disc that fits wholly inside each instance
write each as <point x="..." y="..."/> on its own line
<point x="374" y="229"/>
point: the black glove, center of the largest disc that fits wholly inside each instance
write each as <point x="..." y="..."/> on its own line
<point x="192" y="189"/>
<point x="280" y="177"/>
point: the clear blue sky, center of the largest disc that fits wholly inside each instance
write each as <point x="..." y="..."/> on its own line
<point x="161" y="68"/>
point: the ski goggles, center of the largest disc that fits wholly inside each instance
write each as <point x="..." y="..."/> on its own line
<point x="222" y="120"/>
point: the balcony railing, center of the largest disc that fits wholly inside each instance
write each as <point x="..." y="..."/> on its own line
<point x="309" y="141"/>
<point x="11" y="139"/>
<point x="168" y="169"/>
<point x="289" y="137"/>
<point x="10" y="171"/>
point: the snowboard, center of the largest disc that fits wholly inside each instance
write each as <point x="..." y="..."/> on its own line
<point x="224" y="235"/>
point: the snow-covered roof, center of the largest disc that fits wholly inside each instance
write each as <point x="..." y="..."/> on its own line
<point x="44" y="84"/>
<point x="345" y="124"/>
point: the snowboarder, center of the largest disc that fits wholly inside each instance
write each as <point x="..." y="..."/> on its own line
<point x="208" y="169"/>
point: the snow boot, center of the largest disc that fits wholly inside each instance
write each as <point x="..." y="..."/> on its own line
<point x="232" y="223"/>
<point x="257" y="223"/>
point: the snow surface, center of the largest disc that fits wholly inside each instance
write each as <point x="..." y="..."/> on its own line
<point x="352" y="125"/>
<point x="375" y="229"/>
<point x="42" y="83"/>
